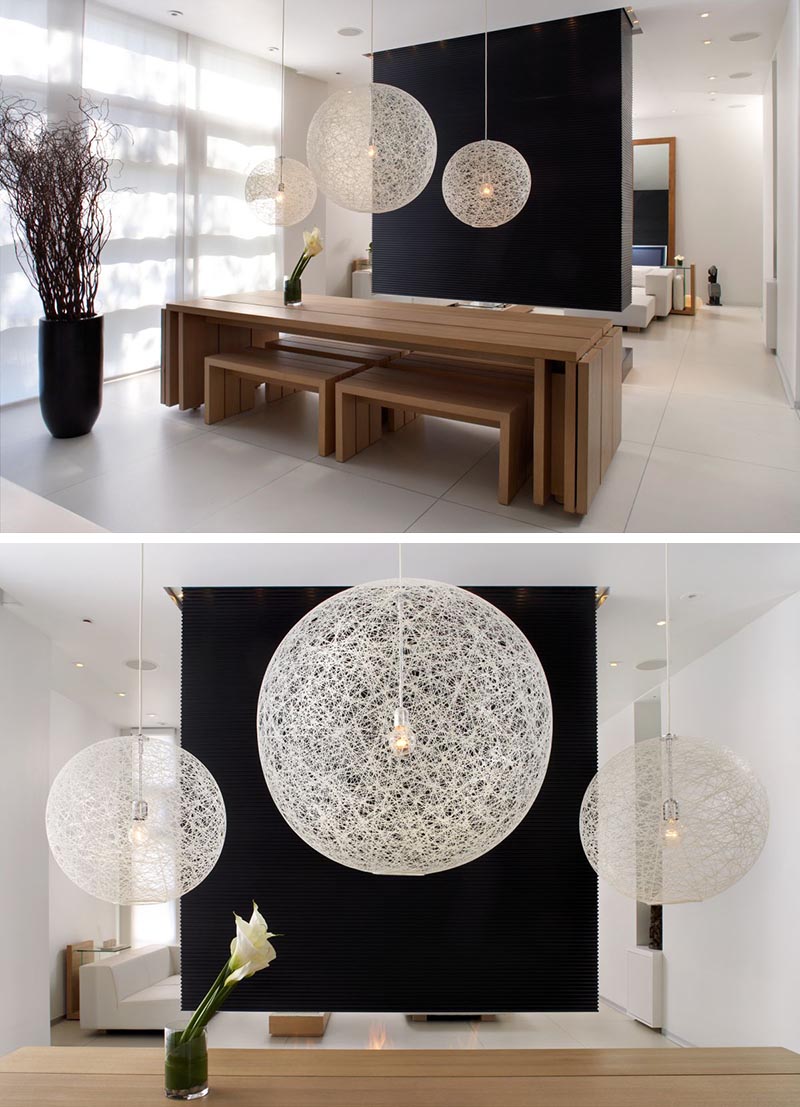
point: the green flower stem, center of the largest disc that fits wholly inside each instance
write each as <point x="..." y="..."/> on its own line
<point x="208" y="1006"/>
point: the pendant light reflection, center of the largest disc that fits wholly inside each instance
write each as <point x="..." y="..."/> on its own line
<point x="487" y="183"/>
<point x="135" y="819"/>
<point x="673" y="819"/>
<point x="281" y="191"/>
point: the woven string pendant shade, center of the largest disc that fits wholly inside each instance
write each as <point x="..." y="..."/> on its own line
<point x="480" y="725"/>
<point x="281" y="207"/>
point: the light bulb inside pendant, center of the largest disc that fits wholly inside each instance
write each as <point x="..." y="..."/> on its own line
<point x="139" y="835"/>
<point x="487" y="190"/>
<point x="671" y="830"/>
<point x="372" y="150"/>
<point x="401" y="739"/>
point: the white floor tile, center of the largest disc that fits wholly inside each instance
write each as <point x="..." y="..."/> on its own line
<point x="242" y="1030"/>
<point x="445" y="517"/>
<point x="718" y="371"/>
<point x="524" y="1031"/>
<point x="25" y="512"/>
<point x="30" y="456"/>
<point x="642" y="411"/>
<point x="609" y="511"/>
<point x="428" y="455"/>
<point x="289" y="426"/>
<point x="689" y="492"/>
<point x="763" y="434"/>
<point x="319" y="499"/>
<point x="601" y="1031"/>
<point x="175" y="489"/>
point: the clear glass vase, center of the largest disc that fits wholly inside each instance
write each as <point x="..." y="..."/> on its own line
<point x="292" y="292"/>
<point x="185" y="1064"/>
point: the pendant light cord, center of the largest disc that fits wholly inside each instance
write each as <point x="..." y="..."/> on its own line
<point x="372" y="41"/>
<point x="283" y="85"/>
<point x="486" y="72"/>
<point x="141" y="622"/>
<point x="668" y="643"/>
<point x="400" y="628"/>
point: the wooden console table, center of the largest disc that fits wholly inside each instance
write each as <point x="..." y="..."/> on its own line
<point x="575" y="364"/>
<point x="134" y="1077"/>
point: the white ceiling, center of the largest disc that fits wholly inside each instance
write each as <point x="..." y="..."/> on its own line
<point x="58" y="585"/>
<point x="671" y="64"/>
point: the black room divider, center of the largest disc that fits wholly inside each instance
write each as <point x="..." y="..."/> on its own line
<point x="515" y="930"/>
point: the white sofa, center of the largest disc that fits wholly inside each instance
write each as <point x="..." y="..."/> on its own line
<point x="656" y="283"/>
<point x="136" y="990"/>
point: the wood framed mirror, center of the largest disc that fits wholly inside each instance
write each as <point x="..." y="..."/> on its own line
<point x="654" y="197"/>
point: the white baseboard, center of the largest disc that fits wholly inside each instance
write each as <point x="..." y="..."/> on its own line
<point x="786" y="382"/>
<point x="672" y="1037"/>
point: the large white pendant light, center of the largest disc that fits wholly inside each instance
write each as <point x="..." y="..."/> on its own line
<point x="281" y="191"/>
<point x="404" y="727"/>
<point x="135" y="819"/>
<point x="673" y="819"/>
<point x="486" y="183"/>
<point x="373" y="148"/>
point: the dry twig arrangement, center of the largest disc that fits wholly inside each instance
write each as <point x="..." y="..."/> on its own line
<point x="53" y="175"/>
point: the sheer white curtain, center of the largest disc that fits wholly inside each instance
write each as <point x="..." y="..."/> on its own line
<point x="198" y="117"/>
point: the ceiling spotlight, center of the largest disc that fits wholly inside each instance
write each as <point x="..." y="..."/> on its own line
<point x="691" y="595"/>
<point x="661" y="623"/>
<point x="121" y="695"/>
<point x="613" y="664"/>
<point x="706" y="42"/>
<point x="350" y="32"/>
<point x="78" y="664"/>
<point x="175" y="12"/>
<point x="652" y="664"/>
<point x="745" y="36"/>
<point x="705" y="15"/>
<point x="273" y="49"/>
<point x="86" y="620"/>
<point x="151" y="714"/>
<point x="712" y="78"/>
<point x="147" y="666"/>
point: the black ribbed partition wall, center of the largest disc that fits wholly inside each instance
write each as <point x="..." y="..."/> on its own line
<point x="561" y="93"/>
<point x="514" y="930"/>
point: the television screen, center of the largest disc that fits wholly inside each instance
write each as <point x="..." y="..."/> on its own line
<point x="649" y="255"/>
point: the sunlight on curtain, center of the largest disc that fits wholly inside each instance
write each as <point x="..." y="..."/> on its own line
<point x="198" y="117"/>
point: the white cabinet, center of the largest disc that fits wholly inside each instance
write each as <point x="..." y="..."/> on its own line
<point x="645" y="985"/>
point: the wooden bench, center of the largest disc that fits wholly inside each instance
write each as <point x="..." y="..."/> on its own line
<point x="410" y="385"/>
<point x="231" y="380"/>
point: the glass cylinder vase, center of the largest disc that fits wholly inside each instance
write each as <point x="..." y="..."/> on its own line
<point x="292" y="291"/>
<point x="185" y="1064"/>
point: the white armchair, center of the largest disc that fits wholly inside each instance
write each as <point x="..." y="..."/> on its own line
<point x="656" y="283"/>
<point x="136" y="990"/>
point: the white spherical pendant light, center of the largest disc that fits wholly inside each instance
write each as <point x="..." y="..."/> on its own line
<point x="486" y="183"/>
<point x="372" y="149"/>
<point x="281" y="191"/>
<point x="125" y="849"/>
<point x="404" y="728"/>
<point x="674" y="820"/>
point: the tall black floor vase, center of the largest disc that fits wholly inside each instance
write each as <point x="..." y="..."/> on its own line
<point x="70" y="374"/>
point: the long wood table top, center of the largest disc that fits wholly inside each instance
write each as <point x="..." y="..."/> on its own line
<point x="520" y="337"/>
<point x="414" y="1078"/>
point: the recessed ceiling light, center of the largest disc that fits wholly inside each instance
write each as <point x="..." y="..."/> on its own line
<point x="706" y="42"/>
<point x="350" y="32"/>
<point x="613" y="664"/>
<point x="745" y="36"/>
<point x="78" y="664"/>
<point x="151" y="714"/>
<point x="86" y="620"/>
<point x="674" y="111"/>
<point x="652" y="664"/>
<point x="175" y="12"/>
<point x="147" y="666"/>
<point x="705" y="15"/>
<point x="740" y="76"/>
<point x="691" y="595"/>
<point x="712" y="78"/>
<point x="121" y="695"/>
<point x="661" y="623"/>
<point x="273" y="49"/>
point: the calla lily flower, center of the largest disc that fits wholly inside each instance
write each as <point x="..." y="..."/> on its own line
<point x="251" y="949"/>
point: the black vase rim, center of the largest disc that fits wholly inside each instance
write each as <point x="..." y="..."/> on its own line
<point x="79" y="319"/>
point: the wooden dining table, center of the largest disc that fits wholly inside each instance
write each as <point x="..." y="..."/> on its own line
<point x="575" y="364"/>
<point x="134" y="1077"/>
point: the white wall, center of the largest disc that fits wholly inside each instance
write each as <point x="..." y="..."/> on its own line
<point x="617" y="913"/>
<point x="733" y="962"/>
<point x="74" y="915"/>
<point x="787" y="212"/>
<point x="719" y="195"/>
<point x="24" y="724"/>
<point x="303" y="96"/>
<point x="349" y="235"/>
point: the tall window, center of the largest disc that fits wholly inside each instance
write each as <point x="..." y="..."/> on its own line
<point x="197" y="117"/>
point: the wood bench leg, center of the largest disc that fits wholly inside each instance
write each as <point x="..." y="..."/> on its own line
<point x="570" y="441"/>
<point x="215" y="393"/>
<point x="557" y="438"/>
<point x="345" y="425"/>
<point x="327" y="418"/>
<point x="542" y="415"/>
<point x="513" y="464"/>
<point x="247" y="394"/>
<point x="196" y="340"/>
<point x="363" y="422"/>
<point x="375" y="422"/>
<point x="233" y="394"/>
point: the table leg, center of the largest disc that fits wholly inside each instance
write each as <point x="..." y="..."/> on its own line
<point x="570" y="417"/>
<point x="196" y="340"/>
<point x="542" y="413"/>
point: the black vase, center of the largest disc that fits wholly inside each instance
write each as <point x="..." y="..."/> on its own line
<point x="70" y="374"/>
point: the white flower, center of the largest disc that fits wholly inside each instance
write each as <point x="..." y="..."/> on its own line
<point x="313" y="241"/>
<point x="251" y="950"/>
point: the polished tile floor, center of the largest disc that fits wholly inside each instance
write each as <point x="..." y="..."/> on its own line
<point x="604" y="1029"/>
<point x="710" y="443"/>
